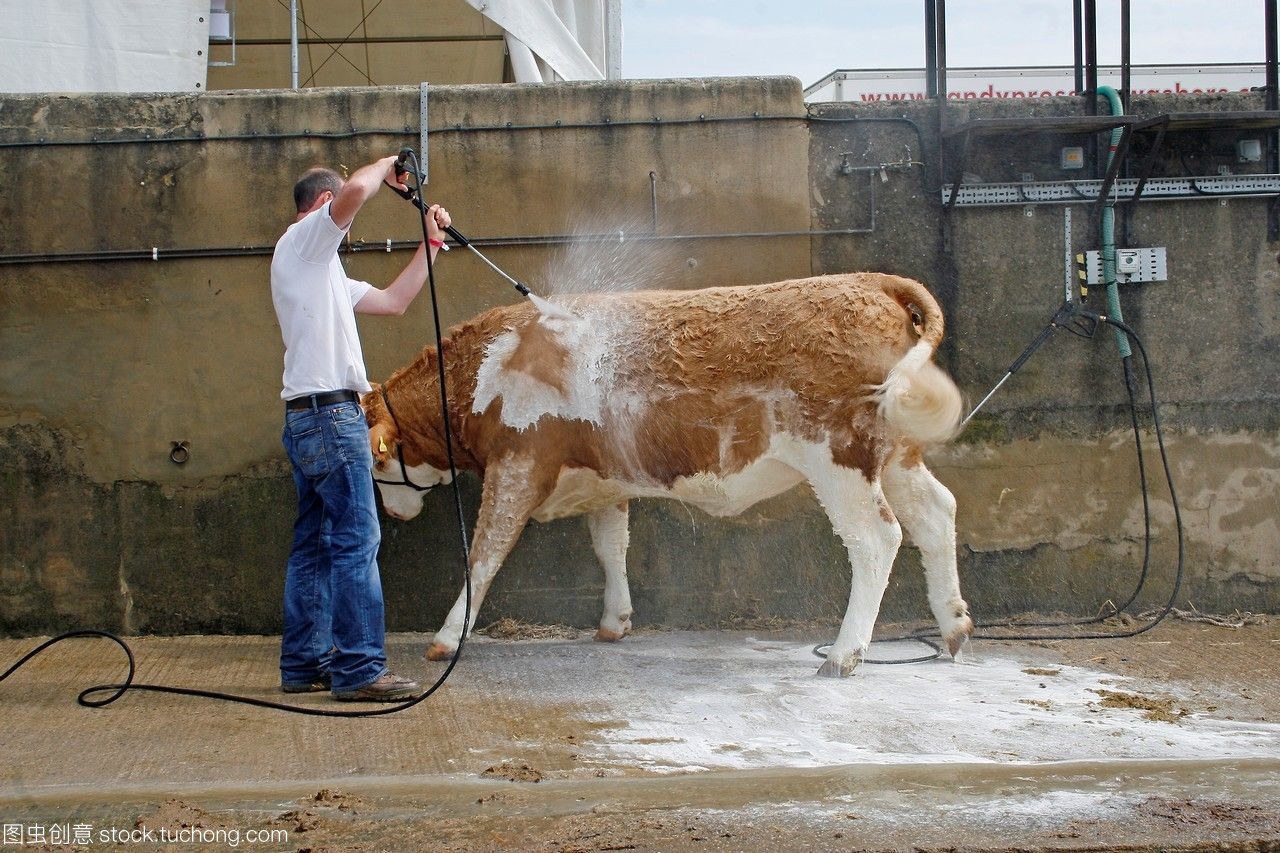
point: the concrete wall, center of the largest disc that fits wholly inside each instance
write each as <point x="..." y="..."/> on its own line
<point x="104" y="363"/>
<point x="1046" y="477"/>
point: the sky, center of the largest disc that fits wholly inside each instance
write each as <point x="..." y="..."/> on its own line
<point x="811" y="38"/>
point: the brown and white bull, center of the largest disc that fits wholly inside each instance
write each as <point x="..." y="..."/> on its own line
<point x="719" y="398"/>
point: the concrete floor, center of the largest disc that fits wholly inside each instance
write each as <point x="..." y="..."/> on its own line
<point x="675" y="740"/>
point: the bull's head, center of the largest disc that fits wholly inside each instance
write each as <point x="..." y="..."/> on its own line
<point x="408" y="454"/>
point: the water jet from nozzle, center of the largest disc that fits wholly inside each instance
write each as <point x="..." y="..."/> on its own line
<point x="549" y="309"/>
<point x="545" y="307"/>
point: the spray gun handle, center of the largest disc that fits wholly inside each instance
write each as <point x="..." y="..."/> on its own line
<point x="413" y="198"/>
<point x="402" y="165"/>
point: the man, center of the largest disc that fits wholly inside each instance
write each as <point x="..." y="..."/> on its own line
<point x="333" y="615"/>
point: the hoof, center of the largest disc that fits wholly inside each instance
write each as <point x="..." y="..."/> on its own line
<point x="958" y="638"/>
<point x="439" y="651"/>
<point x="608" y="635"/>
<point x="831" y="669"/>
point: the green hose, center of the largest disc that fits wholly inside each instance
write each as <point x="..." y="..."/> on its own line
<point x="1109" y="229"/>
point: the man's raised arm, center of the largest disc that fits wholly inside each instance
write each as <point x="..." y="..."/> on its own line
<point x="361" y="187"/>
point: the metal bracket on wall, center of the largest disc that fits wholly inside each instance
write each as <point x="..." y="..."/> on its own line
<point x="1124" y="189"/>
<point x="423" y="159"/>
<point x="1112" y="187"/>
<point x="1132" y="265"/>
<point x="1068" y="266"/>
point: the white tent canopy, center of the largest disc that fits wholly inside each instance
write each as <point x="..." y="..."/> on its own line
<point x="551" y="40"/>
<point x="162" y="45"/>
<point x="77" y="45"/>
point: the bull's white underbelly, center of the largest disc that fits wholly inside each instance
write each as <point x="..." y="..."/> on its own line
<point x="580" y="490"/>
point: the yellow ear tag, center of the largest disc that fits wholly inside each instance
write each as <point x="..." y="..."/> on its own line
<point x="382" y="445"/>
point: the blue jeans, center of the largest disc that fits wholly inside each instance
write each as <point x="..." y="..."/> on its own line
<point x="333" y="614"/>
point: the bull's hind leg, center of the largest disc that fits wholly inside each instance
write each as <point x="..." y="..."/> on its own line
<point x="928" y="512"/>
<point x="513" y="487"/>
<point x="609" y="536"/>
<point x="862" y="519"/>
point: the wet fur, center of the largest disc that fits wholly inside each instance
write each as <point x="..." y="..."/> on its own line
<point x="703" y="395"/>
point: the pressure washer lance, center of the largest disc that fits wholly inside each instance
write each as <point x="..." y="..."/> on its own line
<point x="1070" y="317"/>
<point x="403" y="169"/>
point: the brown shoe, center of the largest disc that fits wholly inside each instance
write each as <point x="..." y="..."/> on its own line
<point x="388" y="688"/>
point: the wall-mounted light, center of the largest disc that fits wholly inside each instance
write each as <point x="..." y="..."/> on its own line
<point x="1249" y="150"/>
<point x="1072" y="157"/>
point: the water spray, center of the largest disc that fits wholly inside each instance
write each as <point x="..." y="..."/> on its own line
<point x="414" y="197"/>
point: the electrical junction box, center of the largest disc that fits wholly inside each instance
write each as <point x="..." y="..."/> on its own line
<point x="1072" y="158"/>
<point x="1132" y="265"/>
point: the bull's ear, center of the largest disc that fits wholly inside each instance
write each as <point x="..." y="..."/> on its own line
<point x="382" y="439"/>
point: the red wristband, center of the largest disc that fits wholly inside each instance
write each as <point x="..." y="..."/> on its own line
<point x="434" y="243"/>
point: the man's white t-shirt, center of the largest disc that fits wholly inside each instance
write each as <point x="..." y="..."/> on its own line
<point x="315" y="304"/>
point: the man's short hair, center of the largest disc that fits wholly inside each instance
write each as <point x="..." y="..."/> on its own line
<point x="312" y="183"/>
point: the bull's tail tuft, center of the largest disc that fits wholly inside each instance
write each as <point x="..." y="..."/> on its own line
<point x="918" y="400"/>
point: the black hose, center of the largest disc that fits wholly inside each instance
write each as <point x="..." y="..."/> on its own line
<point x="118" y="690"/>
<point x="927" y="634"/>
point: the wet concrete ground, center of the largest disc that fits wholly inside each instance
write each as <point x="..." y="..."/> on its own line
<point x="674" y="740"/>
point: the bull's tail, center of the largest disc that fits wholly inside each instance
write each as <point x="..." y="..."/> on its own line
<point x="917" y="400"/>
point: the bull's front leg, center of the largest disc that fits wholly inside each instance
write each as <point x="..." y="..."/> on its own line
<point x="513" y="488"/>
<point x="609" y="537"/>
<point x="862" y="519"/>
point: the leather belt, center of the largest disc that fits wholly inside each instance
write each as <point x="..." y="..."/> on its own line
<point x="315" y="401"/>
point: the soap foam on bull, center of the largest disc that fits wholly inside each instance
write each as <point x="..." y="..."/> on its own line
<point x="526" y="399"/>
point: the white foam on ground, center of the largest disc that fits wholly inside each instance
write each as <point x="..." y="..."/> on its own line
<point x="722" y="702"/>
<point x="1012" y="811"/>
<point x="1008" y="811"/>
